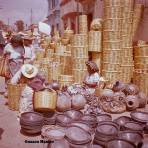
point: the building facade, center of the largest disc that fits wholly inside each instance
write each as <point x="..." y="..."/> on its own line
<point x="54" y="14"/>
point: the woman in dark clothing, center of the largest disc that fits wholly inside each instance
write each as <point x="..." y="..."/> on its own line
<point x="2" y="43"/>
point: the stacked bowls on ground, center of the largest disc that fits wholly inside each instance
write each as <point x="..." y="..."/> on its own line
<point x="31" y="122"/>
<point x="49" y="118"/>
<point x="106" y="130"/>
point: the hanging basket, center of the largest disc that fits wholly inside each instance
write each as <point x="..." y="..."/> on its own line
<point x="14" y="94"/>
<point x="79" y="52"/>
<point x="83" y="24"/>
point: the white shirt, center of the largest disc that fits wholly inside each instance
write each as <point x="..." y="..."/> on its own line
<point x="29" y="53"/>
<point x="13" y="54"/>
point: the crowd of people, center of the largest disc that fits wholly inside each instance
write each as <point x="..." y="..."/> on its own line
<point x="21" y="49"/>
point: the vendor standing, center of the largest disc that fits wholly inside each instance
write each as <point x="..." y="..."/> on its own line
<point x="29" y="55"/>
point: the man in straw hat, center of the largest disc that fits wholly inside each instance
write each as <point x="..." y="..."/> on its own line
<point x="35" y="82"/>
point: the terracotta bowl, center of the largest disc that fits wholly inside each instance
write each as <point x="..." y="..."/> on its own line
<point x="140" y="116"/>
<point x="119" y="143"/>
<point x="59" y="144"/>
<point x="73" y="114"/>
<point x="62" y="119"/>
<point x="104" y="117"/>
<point x="132" y="136"/>
<point x="77" y="135"/>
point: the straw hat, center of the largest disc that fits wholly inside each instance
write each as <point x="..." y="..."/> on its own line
<point x="29" y="71"/>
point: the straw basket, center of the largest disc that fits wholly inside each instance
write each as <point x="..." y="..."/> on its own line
<point x="112" y="56"/>
<point x="60" y="49"/>
<point x="79" y="75"/>
<point x="141" y="50"/>
<point x="127" y="60"/>
<point x="127" y="15"/>
<point x="79" y="52"/>
<point x="97" y="58"/>
<point x="127" y="73"/>
<point x="141" y="78"/>
<point x="129" y="4"/>
<point x="141" y="59"/>
<point x="111" y="67"/>
<point x="44" y="70"/>
<point x="113" y="2"/>
<point x="112" y="24"/>
<point x="127" y="41"/>
<point x="40" y="55"/>
<point x="49" y="53"/>
<point x="66" y="80"/>
<point x="66" y="62"/>
<point x="45" y="100"/>
<point x="113" y="12"/>
<point x="37" y="64"/>
<point x="116" y="44"/>
<point x="14" y="94"/>
<point x="140" y="66"/>
<point x="83" y="26"/>
<point x="95" y="41"/>
<point x="79" y="63"/>
<point x="111" y="35"/>
<point x="56" y="57"/>
<point x="112" y="76"/>
<point x="127" y="52"/>
<point x="68" y="33"/>
<point x="46" y="61"/>
<point x="65" y="41"/>
<point x="96" y="24"/>
<point x="80" y="40"/>
<point x="54" y="71"/>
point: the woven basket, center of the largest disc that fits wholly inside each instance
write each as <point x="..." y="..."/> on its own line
<point x="107" y="45"/>
<point x="96" y="24"/>
<point x="111" y="67"/>
<point x="112" y="76"/>
<point x="49" y="53"/>
<point x="141" y="78"/>
<point x="127" y="60"/>
<point x="127" y="52"/>
<point x="46" y="61"/>
<point x="95" y="41"/>
<point x="54" y="71"/>
<point x="113" y="12"/>
<point x="128" y="14"/>
<point x="79" y="52"/>
<point x="141" y="50"/>
<point x="44" y="70"/>
<point x="113" y="2"/>
<point x="127" y="73"/>
<point x="112" y="35"/>
<point x="140" y="66"/>
<point x="83" y="24"/>
<point x="80" y="40"/>
<point x="45" y="100"/>
<point x="56" y="57"/>
<point x="14" y="94"/>
<point x="67" y="63"/>
<point x="65" y="41"/>
<point x="112" y="56"/>
<point x="97" y="58"/>
<point x="112" y="24"/>
<point x="142" y="59"/>
<point x="129" y="4"/>
<point x="37" y="64"/>
<point x="66" y="80"/>
<point x="68" y="33"/>
<point x="127" y="41"/>
<point x="79" y="75"/>
<point x="60" y="49"/>
<point x="40" y="55"/>
<point x="79" y="63"/>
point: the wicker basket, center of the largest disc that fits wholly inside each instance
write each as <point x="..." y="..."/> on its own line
<point x="127" y="15"/>
<point x="45" y="100"/>
<point x="127" y="60"/>
<point x="66" y="64"/>
<point x="49" y="53"/>
<point x="46" y="61"/>
<point x="54" y="71"/>
<point x="113" y="12"/>
<point x="44" y="70"/>
<point x="107" y="45"/>
<point x="68" y="33"/>
<point x="56" y="57"/>
<point x="95" y="41"/>
<point x="112" y="24"/>
<point x="127" y="41"/>
<point x="111" y="66"/>
<point x="40" y="55"/>
<point x="83" y="24"/>
<point x="66" y="80"/>
<point x="112" y="56"/>
<point x="112" y="76"/>
<point x="14" y="94"/>
<point x="79" y="75"/>
<point x="141" y="78"/>
<point x="80" y="40"/>
<point x="60" y="49"/>
<point x="79" y="52"/>
<point x="96" y="24"/>
<point x="142" y="59"/>
<point x="113" y="2"/>
<point x="112" y="35"/>
<point x="141" y="50"/>
<point x="127" y="73"/>
<point x="127" y="52"/>
<point x="97" y="58"/>
<point x="141" y="66"/>
<point x="79" y="63"/>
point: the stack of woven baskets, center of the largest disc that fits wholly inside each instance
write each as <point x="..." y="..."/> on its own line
<point x="112" y="39"/>
<point x="79" y="50"/>
<point x="138" y="11"/>
<point x="95" y="41"/>
<point x="127" y="63"/>
<point x="141" y="67"/>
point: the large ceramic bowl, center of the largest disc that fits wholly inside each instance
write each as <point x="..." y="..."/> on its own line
<point x="104" y="117"/>
<point x="140" y="116"/>
<point x="62" y="119"/>
<point x="119" y="143"/>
